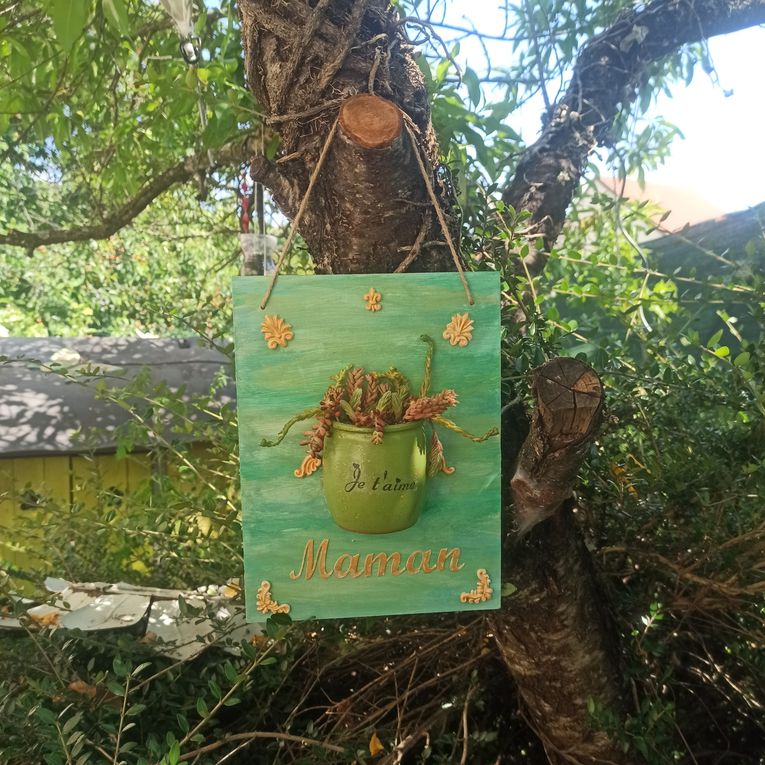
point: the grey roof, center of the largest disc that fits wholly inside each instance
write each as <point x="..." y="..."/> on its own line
<point x="42" y="412"/>
<point x="739" y="237"/>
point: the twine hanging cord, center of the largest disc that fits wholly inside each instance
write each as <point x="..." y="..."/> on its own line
<point x="439" y="212"/>
<point x="301" y="211"/>
<point x="312" y="182"/>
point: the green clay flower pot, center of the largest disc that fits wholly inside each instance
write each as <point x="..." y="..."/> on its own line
<point x="375" y="488"/>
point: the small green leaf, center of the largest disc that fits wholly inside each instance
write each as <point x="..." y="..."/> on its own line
<point x="283" y="619"/>
<point x="215" y="688"/>
<point x="69" y="18"/>
<point x="120" y="667"/>
<point x="277" y="626"/>
<point x="140" y="668"/>
<point x="442" y="69"/>
<point x="174" y="754"/>
<point x="741" y="359"/>
<point x="470" y="78"/>
<point x="114" y="687"/>
<point x="116" y="15"/>
<point x="508" y="588"/>
<point x="715" y="338"/>
<point x="69" y="725"/>
<point x="248" y="649"/>
<point x="230" y="672"/>
<point x="722" y="351"/>
<point x="183" y="723"/>
<point x="45" y="715"/>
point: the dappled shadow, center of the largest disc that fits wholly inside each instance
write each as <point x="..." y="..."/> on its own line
<point x="43" y="411"/>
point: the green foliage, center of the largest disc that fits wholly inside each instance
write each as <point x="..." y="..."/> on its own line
<point x="92" y="699"/>
<point x="145" y="280"/>
<point x="101" y="93"/>
<point x="182" y="520"/>
<point x="96" y="103"/>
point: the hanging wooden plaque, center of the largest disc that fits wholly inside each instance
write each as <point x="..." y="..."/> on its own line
<point x="392" y="503"/>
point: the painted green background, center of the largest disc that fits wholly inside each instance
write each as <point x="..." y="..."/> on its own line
<point x="332" y="329"/>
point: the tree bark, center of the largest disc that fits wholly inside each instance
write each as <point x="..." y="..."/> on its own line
<point x="371" y="152"/>
<point x="555" y="640"/>
<point x="569" y="399"/>
<point x="369" y="203"/>
<point x="605" y="81"/>
<point x="553" y="634"/>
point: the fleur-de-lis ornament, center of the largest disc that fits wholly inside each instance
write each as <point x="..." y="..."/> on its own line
<point x="265" y="602"/>
<point x="373" y="299"/>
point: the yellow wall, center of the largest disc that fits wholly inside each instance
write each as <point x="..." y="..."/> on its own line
<point x="64" y="480"/>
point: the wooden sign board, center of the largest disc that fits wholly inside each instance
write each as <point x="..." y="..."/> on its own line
<point x="368" y="531"/>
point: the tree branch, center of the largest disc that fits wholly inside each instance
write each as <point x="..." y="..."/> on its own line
<point x="230" y="154"/>
<point x="554" y="635"/>
<point x="569" y="398"/>
<point x="603" y="83"/>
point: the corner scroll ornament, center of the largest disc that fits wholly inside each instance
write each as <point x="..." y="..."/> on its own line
<point x="482" y="591"/>
<point x="276" y="331"/>
<point x="459" y="331"/>
<point x="266" y="604"/>
<point x="373" y="299"/>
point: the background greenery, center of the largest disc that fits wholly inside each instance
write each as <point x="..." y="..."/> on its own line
<point x="94" y="103"/>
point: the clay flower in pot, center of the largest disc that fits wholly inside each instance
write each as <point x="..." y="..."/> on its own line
<point x="370" y="440"/>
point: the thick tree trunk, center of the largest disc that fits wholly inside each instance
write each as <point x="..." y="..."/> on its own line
<point x="372" y="153"/>
<point x="369" y="204"/>
<point x="554" y="639"/>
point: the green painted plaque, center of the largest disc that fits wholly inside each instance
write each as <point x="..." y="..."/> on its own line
<point x="377" y="524"/>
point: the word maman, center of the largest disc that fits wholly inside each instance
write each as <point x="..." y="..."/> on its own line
<point x="373" y="564"/>
<point x="396" y="485"/>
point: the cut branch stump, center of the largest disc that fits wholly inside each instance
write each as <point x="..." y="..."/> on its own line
<point x="569" y="398"/>
<point x="553" y="633"/>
